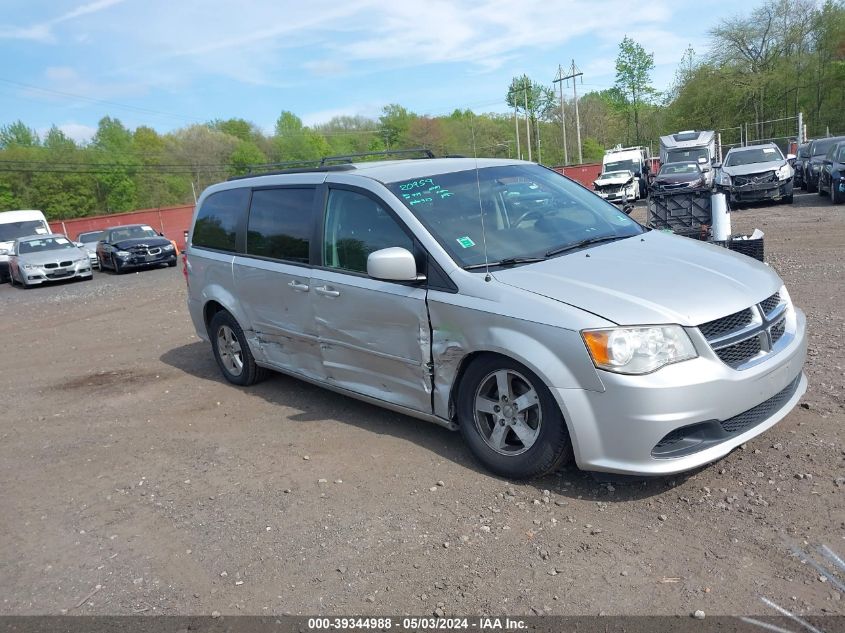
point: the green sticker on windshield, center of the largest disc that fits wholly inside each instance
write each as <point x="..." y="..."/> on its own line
<point x="465" y="241"/>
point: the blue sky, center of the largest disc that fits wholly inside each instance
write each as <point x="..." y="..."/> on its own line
<point x="170" y="64"/>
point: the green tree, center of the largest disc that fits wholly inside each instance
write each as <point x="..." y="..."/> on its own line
<point x="633" y="78"/>
<point x="245" y="155"/>
<point x="394" y="123"/>
<point x="534" y="100"/>
<point x="19" y="134"/>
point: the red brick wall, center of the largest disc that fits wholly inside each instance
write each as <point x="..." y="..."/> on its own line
<point x="172" y="221"/>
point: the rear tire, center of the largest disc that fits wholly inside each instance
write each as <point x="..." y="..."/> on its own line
<point x="509" y="419"/>
<point x="232" y="352"/>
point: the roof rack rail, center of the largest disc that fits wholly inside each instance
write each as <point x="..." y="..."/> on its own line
<point x="289" y="167"/>
<point x="348" y="158"/>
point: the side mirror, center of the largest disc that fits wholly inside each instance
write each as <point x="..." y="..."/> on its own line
<point x="393" y="264"/>
<point x="79" y="244"/>
<point x="627" y="208"/>
<point x="716" y="165"/>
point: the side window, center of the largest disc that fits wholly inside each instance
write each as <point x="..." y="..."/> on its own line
<point x="357" y="225"/>
<point x="218" y="219"/>
<point x="281" y="222"/>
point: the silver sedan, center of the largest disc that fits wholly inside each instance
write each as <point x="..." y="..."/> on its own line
<point x="41" y="258"/>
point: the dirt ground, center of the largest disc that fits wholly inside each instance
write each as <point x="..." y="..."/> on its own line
<point x="135" y="480"/>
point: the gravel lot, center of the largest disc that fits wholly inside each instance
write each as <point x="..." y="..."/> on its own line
<point x="135" y="480"/>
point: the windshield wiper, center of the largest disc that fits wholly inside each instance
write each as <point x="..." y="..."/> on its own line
<point x="583" y="243"/>
<point x="507" y="261"/>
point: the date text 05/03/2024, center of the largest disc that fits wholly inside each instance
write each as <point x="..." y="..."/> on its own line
<point x="409" y="623"/>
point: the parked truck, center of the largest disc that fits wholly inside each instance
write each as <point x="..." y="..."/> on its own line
<point x="691" y="146"/>
<point x="624" y="174"/>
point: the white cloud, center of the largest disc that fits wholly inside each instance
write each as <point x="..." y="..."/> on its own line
<point x="42" y="32"/>
<point x="78" y="132"/>
<point x="369" y="110"/>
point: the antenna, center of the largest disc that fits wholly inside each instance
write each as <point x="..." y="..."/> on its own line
<point x="487" y="276"/>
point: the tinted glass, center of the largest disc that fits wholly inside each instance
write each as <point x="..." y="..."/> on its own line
<point x="281" y="222"/>
<point x="751" y="156"/>
<point x="12" y="230"/>
<point x="132" y="233"/>
<point x="529" y="211"/>
<point x="357" y="225"/>
<point x="87" y="238"/>
<point x="44" y="244"/>
<point x="218" y="218"/>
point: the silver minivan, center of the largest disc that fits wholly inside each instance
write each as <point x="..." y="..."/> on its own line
<point x="500" y="299"/>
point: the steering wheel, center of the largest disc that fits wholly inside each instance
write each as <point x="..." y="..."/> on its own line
<point x="526" y="216"/>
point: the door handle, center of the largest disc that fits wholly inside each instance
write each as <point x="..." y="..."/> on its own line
<point x="327" y="292"/>
<point x="298" y="286"/>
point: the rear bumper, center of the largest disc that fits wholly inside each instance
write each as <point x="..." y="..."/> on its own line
<point x="623" y="429"/>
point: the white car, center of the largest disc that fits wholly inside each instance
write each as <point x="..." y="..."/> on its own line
<point x="41" y="258"/>
<point x="619" y="186"/>
<point x="88" y="241"/>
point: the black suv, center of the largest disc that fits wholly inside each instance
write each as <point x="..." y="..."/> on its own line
<point x="832" y="174"/>
<point x="818" y="149"/>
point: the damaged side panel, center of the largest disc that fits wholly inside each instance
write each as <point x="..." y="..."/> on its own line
<point x="364" y="328"/>
<point x="555" y="353"/>
<point x="276" y="298"/>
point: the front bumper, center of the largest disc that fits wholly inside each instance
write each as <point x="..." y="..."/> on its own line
<point x="39" y="274"/>
<point x="619" y="429"/>
<point x="142" y="260"/>
<point x="759" y="192"/>
<point x="628" y="193"/>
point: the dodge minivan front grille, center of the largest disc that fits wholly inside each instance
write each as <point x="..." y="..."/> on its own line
<point x="743" y="336"/>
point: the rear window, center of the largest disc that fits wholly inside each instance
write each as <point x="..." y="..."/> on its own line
<point x="281" y="223"/>
<point x="218" y="219"/>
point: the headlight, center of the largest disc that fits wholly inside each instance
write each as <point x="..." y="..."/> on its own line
<point x="169" y="247"/>
<point x="122" y="254"/>
<point x="723" y="179"/>
<point x="29" y="266"/>
<point x="638" y="350"/>
<point x="784" y="172"/>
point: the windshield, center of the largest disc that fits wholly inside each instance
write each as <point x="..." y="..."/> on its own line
<point x="44" y="244"/>
<point x="679" y="168"/>
<point x="132" y="233"/>
<point x="684" y="155"/>
<point x="87" y="238"/>
<point x="751" y="156"/>
<point x="10" y="231"/>
<point x="558" y="212"/>
<point x="622" y="165"/>
<point x="821" y="146"/>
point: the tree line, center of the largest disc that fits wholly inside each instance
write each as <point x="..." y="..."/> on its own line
<point x="760" y="70"/>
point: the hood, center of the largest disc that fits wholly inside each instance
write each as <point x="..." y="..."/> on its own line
<point x="754" y="168"/>
<point x="54" y="255"/>
<point x="142" y="241"/>
<point x="651" y="278"/>
<point x="614" y="180"/>
<point x="674" y="178"/>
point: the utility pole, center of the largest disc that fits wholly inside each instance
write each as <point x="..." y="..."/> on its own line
<point x="516" y="128"/>
<point x="527" y="118"/>
<point x="559" y="80"/>
<point x="576" y="72"/>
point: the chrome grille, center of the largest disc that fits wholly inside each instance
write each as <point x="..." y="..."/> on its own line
<point x="778" y="330"/>
<point x="739" y="338"/>
<point x="735" y="355"/>
<point x="751" y="179"/>
<point x="770" y="304"/>
<point x="726" y="325"/>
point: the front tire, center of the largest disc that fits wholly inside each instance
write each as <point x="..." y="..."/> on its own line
<point x="232" y="352"/>
<point x="509" y="419"/>
<point x="836" y="196"/>
<point x="116" y="265"/>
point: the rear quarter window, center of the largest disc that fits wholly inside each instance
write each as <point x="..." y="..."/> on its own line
<point x="219" y="218"/>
